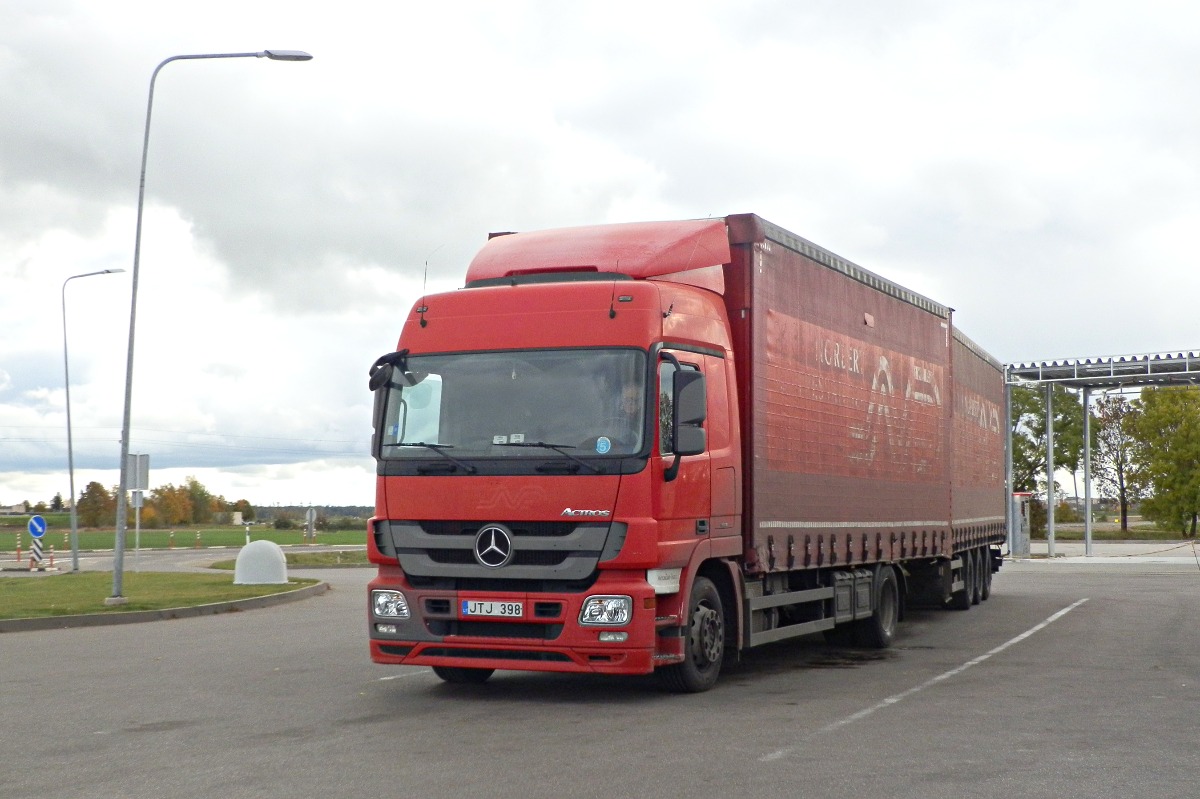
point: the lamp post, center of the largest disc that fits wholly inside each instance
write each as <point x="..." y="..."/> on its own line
<point x="70" y="449"/>
<point x="122" y="502"/>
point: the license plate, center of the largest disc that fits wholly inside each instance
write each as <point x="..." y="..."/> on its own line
<point x="472" y="607"/>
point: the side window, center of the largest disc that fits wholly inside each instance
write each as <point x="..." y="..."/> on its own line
<point x="666" y="413"/>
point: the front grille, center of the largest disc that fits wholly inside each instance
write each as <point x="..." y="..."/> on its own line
<point x="500" y="585"/>
<point x="439" y="552"/>
<point x="520" y="558"/>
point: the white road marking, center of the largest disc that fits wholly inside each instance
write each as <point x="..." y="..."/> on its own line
<point x="900" y="697"/>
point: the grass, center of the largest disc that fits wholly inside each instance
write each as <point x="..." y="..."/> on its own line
<point x="180" y="538"/>
<point x="314" y="560"/>
<point x="71" y="594"/>
<point x="1111" y="531"/>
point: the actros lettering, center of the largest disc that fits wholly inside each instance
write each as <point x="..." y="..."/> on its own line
<point x="581" y="512"/>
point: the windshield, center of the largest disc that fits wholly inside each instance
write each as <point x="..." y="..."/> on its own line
<point x="517" y="404"/>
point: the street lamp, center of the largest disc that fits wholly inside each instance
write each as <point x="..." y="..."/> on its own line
<point x="122" y="502"/>
<point x="70" y="450"/>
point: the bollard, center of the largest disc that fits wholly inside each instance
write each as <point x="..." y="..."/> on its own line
<point x="52" y="557"/>
<point x="18" y="549"/>
<point x="66" y="539"/>
<point x="197" y="539"/>
<point x="171" y="540"/>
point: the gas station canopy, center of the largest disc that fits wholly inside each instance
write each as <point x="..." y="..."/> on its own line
<point x="1116" y="371"/>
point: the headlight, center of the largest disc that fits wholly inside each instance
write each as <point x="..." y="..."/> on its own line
<point x="608" y="610"/>
<point x="390" y="603"/>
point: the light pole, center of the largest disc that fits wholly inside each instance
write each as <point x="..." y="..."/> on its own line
<point x="70" y="450"/>
<point x="122" y="502"/>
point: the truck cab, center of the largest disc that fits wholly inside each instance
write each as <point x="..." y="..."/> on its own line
<point x="555" y="451"/>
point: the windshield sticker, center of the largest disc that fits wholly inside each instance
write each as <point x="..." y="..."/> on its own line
<point x="603" y="445"/>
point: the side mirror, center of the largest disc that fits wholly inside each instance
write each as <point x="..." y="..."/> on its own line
<point x="381" y="371"/>
<point x="689" y="399"/>
<point x="380" y="377"/>
<point x="691" y="407"/>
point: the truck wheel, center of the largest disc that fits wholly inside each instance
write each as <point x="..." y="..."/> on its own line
<point x="460" y="676"/>
<point x="977" y="581"/>
<point x="878" y="631"/>
<point x="961" y="600"/>
<point x="704" y="644"/>
<point x="987" y="573"/>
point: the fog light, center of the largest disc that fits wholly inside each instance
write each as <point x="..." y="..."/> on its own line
<point x="386" y="629"/>
<point x="390" y="603"/>
<point x="606" y="610"/>
<point x="613" y="637"/>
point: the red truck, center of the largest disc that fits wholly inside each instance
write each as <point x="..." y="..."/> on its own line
<point x="649" y="447"/>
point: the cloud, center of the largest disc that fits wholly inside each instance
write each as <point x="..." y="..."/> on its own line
<point x="1034" y="166"/>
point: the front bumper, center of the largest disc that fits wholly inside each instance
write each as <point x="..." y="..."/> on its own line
<point x="547" y="637"/>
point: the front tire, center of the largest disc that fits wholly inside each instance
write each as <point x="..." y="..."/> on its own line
<point x="704" y="642"/>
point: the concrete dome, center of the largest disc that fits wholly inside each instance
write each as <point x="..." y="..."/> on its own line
<point x="260" y="563"/>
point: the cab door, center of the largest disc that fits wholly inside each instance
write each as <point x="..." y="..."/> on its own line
<point x="685" y="501"/>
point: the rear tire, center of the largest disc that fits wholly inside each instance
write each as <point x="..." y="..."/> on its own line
<point x="977" y="577"/>
<point x="456" y="675"/>
<point x="878" y="631"/>
<point x="961" y="600"/>
<point x="987" y="572"/>
<point x="704" y="642"/>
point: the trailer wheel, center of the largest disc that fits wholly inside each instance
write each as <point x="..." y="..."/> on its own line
<point x="977" y="581"/>
<point x="704" y="644"/>
<point x="877" y="631"/>
<point x="460" y="676"/>
<point x="987" y="573"/>
<point x="961" y="600"/>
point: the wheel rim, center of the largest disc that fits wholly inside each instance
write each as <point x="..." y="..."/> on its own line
<point x="708" y="636"/>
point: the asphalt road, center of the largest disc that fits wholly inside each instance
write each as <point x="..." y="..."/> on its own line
<point x="1076" y="679"/>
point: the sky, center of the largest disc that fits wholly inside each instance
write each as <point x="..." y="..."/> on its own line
<point x="1033" y="165"/>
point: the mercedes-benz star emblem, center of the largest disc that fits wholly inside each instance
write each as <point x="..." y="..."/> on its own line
<point x="493" y="546"/>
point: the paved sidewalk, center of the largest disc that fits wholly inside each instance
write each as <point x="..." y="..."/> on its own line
<point x="1118" y="551"/>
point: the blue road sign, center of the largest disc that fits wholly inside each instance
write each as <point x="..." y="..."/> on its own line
<point x="37" y="526"/>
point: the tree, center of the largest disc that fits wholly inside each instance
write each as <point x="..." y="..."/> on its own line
<point x="96" y="506"/>
<point x="172" y="505"/>
<point x="56" y="504"/>
<point x="246" y="508"/>
<point x="1029" y="435"/>
<point x="1115" y="453"/>
<point x="204" y="504"/>
<point x="1168" y="425"/>
<point x="1028" y="457"/>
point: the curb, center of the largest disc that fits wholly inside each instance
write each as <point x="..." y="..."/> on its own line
<point x="136" y="616"/>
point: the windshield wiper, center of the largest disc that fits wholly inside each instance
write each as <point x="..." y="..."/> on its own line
<point x="439" y="449"/>
<point x="561" y="449"/>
